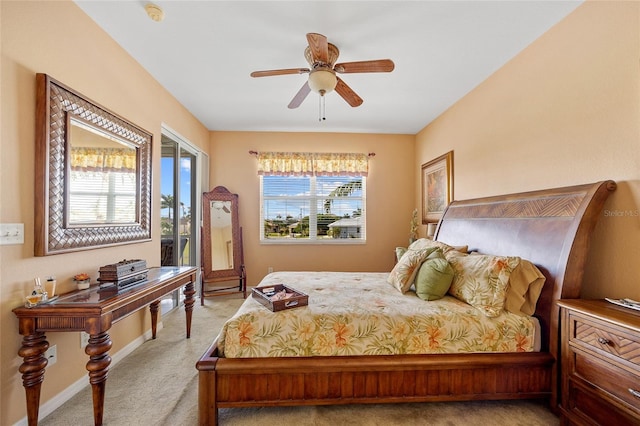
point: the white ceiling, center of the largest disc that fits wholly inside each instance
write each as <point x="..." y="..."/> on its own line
<point x="204" y="51"/>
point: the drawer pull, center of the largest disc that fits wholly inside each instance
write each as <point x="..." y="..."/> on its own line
<point x="634" y="392"/>
<point x="603" y="341"/>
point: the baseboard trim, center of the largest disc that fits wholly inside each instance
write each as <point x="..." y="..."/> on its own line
<point x="58" y="400"/>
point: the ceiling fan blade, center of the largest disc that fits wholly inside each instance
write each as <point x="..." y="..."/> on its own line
<point x="319" y="47"/>
<point x="348" y="94"/>
<point x="300" y="96"/>
<point x="269" y="73"/>
<point x="378" y="65"/>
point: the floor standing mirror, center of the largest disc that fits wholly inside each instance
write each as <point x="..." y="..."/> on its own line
<point x="222" y="254"/>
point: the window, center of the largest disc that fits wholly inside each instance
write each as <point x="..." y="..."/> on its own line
<point x="319" y="209"/>
<point x="312" y="197"/>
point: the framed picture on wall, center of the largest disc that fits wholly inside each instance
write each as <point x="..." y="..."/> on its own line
<point x="437" y="187"/>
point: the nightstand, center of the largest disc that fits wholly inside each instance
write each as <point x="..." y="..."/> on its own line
<point x="600" y="363"/>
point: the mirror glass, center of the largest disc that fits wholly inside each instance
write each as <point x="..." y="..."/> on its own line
<point x="92" y="174"/>
<point x="102" y="177"/>
<point x="221" y="235"/>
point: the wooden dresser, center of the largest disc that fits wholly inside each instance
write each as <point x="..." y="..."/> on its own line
<point x="600" y="363"/>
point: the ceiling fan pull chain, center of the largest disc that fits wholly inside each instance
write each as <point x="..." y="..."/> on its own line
<point x="321" y="109"/>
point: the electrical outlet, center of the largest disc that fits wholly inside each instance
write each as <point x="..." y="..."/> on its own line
<point x="51" y="355"/>
<point x="269" y="269"/>
<point x="84" y="339"/>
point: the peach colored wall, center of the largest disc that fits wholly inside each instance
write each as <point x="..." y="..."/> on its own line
<point x="564" y="111"/>
<point x="389" y="190"/>
<point x="57" y="38"/>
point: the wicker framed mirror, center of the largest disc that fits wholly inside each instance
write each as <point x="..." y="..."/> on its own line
<point x="93" y="174"/>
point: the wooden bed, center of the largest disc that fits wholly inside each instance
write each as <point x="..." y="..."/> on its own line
<point x="550" y="228"/>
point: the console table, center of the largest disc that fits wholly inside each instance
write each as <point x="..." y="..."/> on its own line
<point x="93" y="311"/>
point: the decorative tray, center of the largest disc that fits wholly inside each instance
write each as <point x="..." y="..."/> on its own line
<point x="279" y="297"/>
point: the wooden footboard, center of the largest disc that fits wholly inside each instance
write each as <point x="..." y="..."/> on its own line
<point x="368" y="379"/>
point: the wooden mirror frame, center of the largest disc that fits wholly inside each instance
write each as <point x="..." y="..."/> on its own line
<point x="210" y="275"/>
<point x="55" y="103"/>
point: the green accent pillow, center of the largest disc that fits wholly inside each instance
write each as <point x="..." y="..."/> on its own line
<point x="399" y="252"/>
<point x="434" y="277"/>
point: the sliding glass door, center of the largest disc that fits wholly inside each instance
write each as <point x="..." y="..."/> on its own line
<point x="179" y="207"/>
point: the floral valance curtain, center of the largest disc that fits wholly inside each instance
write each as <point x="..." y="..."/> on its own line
<point x="121" y="160"/>
<point x="312" y="164"/>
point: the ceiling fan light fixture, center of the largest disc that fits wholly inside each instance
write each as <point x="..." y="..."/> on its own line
<point x="322" y="81"/>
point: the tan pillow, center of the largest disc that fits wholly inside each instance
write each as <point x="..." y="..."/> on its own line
<point x="482" y="280"/>
<point x="404" y="272"/>
<point x="421" y="243"/>
<point x="525" y="285"/>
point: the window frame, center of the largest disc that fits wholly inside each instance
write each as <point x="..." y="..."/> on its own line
<point x="313" y="214"/>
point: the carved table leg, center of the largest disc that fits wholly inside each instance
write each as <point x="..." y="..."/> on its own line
<point x="32" y="351"/>
<point x="154" y="307"/>
<point x="98" y="366"/>
<point x="189" y="300"/>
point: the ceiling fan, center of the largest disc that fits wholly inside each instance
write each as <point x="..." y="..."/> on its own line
<point x="321" y="56"/>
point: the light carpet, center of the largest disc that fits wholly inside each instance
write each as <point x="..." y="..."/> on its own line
<point x="157" y="384"/>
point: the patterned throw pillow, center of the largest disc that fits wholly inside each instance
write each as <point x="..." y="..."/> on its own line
<point x="482" y="280"/>
<point x="434" y="277"/>
<point x="403" y="274"/>
<point x="422" y="243"/>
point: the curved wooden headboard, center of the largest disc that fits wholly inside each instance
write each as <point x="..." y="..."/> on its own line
<point x="550" y="228"/>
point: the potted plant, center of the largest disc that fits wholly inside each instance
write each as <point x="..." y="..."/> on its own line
<point x="83" y="281"/>
<point x="413" y="227"/>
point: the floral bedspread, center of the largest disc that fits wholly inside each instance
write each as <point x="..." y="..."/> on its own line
<point x="361" y="314"/>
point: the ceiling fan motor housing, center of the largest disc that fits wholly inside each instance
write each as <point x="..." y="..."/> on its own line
<point x="333" y="53"/>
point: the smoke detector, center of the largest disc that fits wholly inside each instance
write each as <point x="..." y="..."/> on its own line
<point x="154" y="12"/>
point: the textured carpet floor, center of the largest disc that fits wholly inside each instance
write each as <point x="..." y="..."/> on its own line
<point x="157" y="385"/>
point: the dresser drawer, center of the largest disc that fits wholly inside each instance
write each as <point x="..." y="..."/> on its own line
<point x="621" y="384"/>
<point x="584" y="407"/>
<point x="604" y="337"/>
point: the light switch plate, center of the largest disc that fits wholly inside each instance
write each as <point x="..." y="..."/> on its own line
<point x="11" y="233"/>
